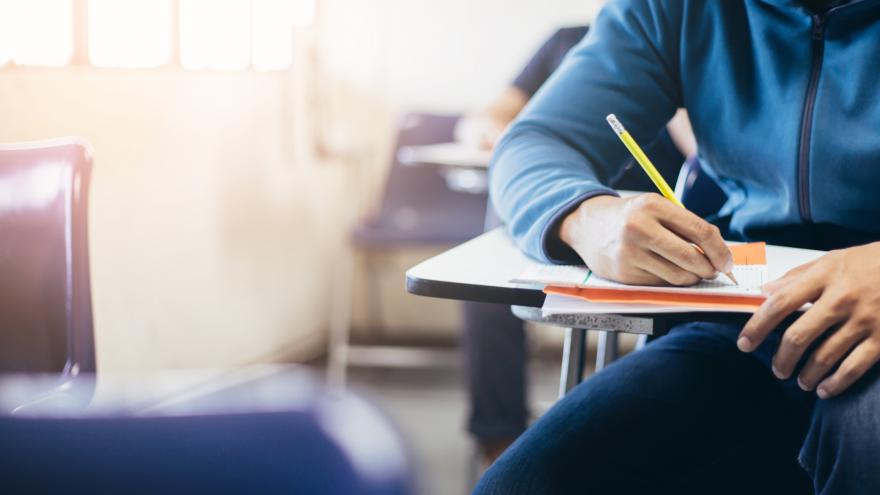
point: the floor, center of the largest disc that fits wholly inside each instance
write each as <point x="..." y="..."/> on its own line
<point x="429" y="407"/>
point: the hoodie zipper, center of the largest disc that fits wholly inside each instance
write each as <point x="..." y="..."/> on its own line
<point x="818" y="37"/>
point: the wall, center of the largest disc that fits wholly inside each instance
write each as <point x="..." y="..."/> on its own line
<point x="448" y="55"/>
<point x="212" y="234"/>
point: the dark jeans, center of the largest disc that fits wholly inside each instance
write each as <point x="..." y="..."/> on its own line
<point x="691" y="414"/>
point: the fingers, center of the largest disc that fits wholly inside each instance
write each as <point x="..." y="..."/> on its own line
<point x="859" y="361"/>
<point x="642" y="277"/>
<point x="666" y="271"/>
<point x="651" y="229"/>
<point x="825" y="357"/>
<point x="682" y="254"/>
<point x="806" y="329"/>
<point x="776" y="307"/>
<point x="702" y="233"/>
<point x="789" y="277"/>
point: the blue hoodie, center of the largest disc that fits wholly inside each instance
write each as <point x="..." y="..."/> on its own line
<point x="785" y="105"/>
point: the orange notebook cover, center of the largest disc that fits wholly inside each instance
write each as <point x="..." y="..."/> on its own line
<point x="660" y="298"/>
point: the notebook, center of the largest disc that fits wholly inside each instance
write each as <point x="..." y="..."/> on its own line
<point x="750" y="269"/>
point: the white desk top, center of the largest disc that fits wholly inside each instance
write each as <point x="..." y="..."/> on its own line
<point x="485" y="265"/>
<point x="489" y="260"/>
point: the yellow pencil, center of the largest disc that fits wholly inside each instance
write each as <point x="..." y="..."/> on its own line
<point x="648" y="167"/>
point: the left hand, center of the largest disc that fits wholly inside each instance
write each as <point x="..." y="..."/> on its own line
<point x="844" y="287"/>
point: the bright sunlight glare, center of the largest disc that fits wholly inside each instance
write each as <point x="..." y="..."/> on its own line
<point x="129" y="33"/>
<point x="215" y="34"/>
<point x="272" y="34"/>
<point x="36" y="32"/>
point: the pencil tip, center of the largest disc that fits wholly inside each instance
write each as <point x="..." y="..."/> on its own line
<point x="732" y="278"/>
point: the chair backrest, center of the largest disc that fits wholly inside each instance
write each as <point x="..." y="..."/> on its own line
<point x="699" y="192"/>
<point x="418" y="207"/>
<point x="45" y="295"/>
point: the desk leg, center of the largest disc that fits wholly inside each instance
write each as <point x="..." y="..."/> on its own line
<point x="573" y="354"/>
<point x="340" y="321"/>
<point x="607" y="350"/>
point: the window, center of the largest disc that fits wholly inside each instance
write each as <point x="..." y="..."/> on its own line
<point x="36" y="32"/>
<point x="215" y="34"/>
<point x="272" y="39"/>
<point x="199" y="34"/>
<point x="130" y="33"/>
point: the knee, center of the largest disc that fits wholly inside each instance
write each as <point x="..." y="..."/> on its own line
<point x="839" y="450"/>
<point x="589" y="427"/>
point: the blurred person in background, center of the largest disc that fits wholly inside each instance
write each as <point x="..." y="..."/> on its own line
<point x="494" y="339"/>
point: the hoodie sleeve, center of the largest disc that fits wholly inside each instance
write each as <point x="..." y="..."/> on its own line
<point x="560" y="151"/>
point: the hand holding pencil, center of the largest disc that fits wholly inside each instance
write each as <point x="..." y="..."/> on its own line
<point x="646" y="239"/>
<point x="652" y="171"/>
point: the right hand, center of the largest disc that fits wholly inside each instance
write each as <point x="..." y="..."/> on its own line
<point x="645" y="240"/>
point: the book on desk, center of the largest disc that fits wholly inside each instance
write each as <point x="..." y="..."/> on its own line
<point x="575" y="292"/>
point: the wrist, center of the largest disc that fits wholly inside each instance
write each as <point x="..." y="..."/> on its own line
<point x="569" y="228"/>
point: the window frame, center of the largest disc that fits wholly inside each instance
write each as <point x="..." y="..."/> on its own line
<point x="80" y="53"/>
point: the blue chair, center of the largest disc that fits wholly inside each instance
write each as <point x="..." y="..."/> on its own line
<point x="699" y="192"/>
<point x="276" y="433"/>
<point x="57" y="440"/>
<point x="45" y="294"/>
<point x="418" y="209"/>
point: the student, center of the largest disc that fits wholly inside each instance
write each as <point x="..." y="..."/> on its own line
<point x="784" y="102"/>
<point x="493" y="339"/>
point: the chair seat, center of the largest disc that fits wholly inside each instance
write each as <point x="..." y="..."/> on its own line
<point x="403" y="226"/>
